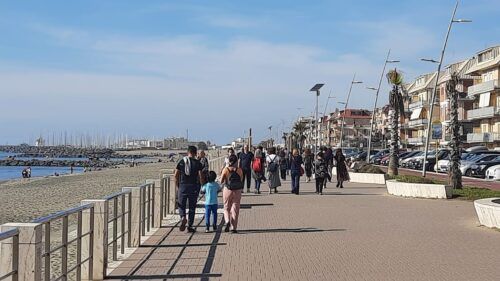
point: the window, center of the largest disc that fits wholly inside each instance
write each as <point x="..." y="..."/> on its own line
<point x="484" y="100"/>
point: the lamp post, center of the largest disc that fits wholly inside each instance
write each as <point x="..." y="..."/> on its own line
<point x="324" y="112"/>
<point x="375" y="105"/>
<point x="316" y="88"/>
<point x="433" y="98"/>
<point x="345" y="108"/>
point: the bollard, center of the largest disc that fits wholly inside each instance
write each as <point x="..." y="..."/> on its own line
<point x="157" y="202"/>
<point x="98" y="242"/>
<point x="135" y="216"/>
<point x="30" y="250"/>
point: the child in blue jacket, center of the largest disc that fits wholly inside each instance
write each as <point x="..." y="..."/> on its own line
<point x="211" y="188"/>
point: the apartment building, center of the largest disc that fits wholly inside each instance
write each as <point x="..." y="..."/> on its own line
<point x="485" y="93"/>
<point x="356" y="127"/>
<point x="420" y="95"/>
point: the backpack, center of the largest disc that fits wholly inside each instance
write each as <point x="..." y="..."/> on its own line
<point x="234" y="181"/>
<point x="272" y="167"/>
<point x="257" y="165"/>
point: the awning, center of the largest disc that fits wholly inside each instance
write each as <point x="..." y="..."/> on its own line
<point x="416" y="113"/>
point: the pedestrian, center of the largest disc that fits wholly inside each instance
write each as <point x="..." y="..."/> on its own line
<point x="320" y="172"/>
<point x="211" y="188"/>
<point x="328" y="155"/>
<point x="258" y="170"/>
<point x="273" y="176"/>
<point x="230" y="152"/>
<point x="296" y="170"/>
<point x="71" y="168"/>
<point x="231" y="178"/>
<point x="188" y="180"/>
<point x="308" y="163"/>
<point x="283" y="164"/>
<point x="245" y="163"/>
<point x="28" y="171"/>
<point x="204" y="165"/>
<point x="342" y="173"/>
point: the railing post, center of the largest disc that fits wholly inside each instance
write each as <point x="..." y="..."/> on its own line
<point x="157" y="202"/>
<point x="170" y="189"/>
<point x="30" y="250"/>
<point x="98" y="242"/>
<point x="134" y="216"/>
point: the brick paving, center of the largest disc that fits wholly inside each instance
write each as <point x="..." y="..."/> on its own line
<point x="355" y="233"/>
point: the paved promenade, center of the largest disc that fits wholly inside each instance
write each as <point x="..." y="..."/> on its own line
<point x="355" y="233"/>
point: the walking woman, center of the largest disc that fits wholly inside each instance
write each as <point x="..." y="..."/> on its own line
<point x="231" y="178"/>
<point x="342" y="173"/>
<point x="296" y="170"/>
<point x="283" y="164"/>
<point x="308" y="163"/>
<point x="273" y="171"/>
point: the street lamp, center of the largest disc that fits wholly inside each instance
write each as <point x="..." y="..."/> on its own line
<point x="324" y="112"/>
<point x="345" y="108"/>
<point x="316" y="88"/>
<point x="440" y="62"/>
<point x="375" y="105"/>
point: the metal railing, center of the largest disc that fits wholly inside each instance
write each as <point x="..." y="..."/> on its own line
<point x="120" y="221"/>
<point x="12" y="234"/>
<point x="483" y="87"/>
<point x="147" y="207"/>
<point x="48" y="251"/>
<point x="418" y="122"/>
<point x="483" y="112"/>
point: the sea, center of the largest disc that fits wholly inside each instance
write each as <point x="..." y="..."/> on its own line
<point x="14" y="172"/>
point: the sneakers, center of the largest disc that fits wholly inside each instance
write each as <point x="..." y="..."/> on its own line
<point x="191" y="229"/>
<point x="215" y="227"/>
<point x="182" y="227"/>
<point x="226" y="229"/>
<point x="234" y="231"/>
<point x="207" y="230"/>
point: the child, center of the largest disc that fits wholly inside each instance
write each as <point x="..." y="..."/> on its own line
<point x="211" y="189"/>
<point x="320" y="172"/>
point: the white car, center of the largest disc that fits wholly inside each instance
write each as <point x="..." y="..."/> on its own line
<point x="493" y="173"/>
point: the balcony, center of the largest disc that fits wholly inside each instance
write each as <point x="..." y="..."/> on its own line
<point x="418" y="140"/>
<point x="417" y="123"/>
<point x="417" y="104"/>
<point x="483" y="112"/>
<point x="481" y="137"/>
<point x="482" y="87"/>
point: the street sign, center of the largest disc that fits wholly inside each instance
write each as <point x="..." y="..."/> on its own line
<point x="437" y="131"/>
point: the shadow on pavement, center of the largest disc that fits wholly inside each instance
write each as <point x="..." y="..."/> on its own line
<point x="288" y="230"/>
<point x="325" y="192"/>
<point x="250" y="206"/>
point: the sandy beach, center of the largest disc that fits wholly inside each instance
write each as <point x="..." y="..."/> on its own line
<point x="23" y="201"/>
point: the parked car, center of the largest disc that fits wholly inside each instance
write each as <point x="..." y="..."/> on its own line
<point x="375" y="159"/>
<point x="431" y="160"/>
<point x="466" y="166"/>
<point x="405" y="162"/>
<point x="479" y="170"/>
<point x="493" y="173"/>
<point x="362" y="156"/>
<point x="385" y="160"/>
<point x="443" y="165"/>
<point x="476" y="148"/>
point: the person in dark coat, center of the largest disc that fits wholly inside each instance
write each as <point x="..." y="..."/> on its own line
<point x="308" y="164"/>
<point x="295" y="170"/>
<point x="342" y="173"/>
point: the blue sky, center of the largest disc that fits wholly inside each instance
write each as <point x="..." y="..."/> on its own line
<point x="155" y="68"/>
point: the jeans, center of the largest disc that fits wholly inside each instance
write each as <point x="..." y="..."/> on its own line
<point x="295" y="181"/>
<point x="211" y="210"/>
<point x="188" y="194"/>
<point x="247" y="175"/>
<point x="257" y="184"/>
<point x="232" y="199"/>
<point x="319" y="184"/>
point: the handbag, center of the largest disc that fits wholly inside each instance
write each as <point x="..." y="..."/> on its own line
<point x="301" y="171"/>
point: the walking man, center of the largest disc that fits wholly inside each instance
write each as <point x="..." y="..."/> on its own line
<point x="188" y="180"/>
<point x="245" y="163"/>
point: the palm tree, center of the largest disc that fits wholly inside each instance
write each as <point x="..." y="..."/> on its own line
<point x="395" y="78"/>
<point x="299" y="129"/>
<point x="454" y="173"/>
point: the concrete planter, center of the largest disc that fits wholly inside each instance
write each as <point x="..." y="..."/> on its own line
<point x="488" y="212"/>
<point x="365" y="177"/>
<point x="419" y="190"/>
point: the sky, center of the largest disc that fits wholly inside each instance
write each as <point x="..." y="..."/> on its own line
<point x="157" y="68"/>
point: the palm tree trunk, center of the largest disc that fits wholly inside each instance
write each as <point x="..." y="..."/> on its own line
<point x="454" y="173"/>
<point x="394" y="146"/>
